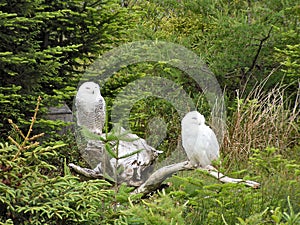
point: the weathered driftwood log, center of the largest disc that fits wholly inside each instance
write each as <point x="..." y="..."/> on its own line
<point x="159" y="176"/>
<point x="120" y="156"/>
<point x="156" y="178"/>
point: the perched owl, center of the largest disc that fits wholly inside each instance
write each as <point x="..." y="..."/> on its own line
<point x="198" y="140"/>
<point x="90" y="107"/>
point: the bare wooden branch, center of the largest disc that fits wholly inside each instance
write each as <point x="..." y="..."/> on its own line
<point x="261" y="43"/>
<point x="159" y="176"/>
<point x="86" y="172"/>
<point x="132" y="162"/>
<point x="221" y="177"/>
<point x="155" y="180"/>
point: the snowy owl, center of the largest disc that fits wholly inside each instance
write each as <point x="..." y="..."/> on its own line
<point x="198" y="140"/>
<point x="90" y="107"/>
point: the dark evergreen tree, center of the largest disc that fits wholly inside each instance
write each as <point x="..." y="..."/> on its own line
<point x="46" y="45"/>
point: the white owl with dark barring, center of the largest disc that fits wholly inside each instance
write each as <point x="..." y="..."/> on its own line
<point x="90" y="107"/>
<point x="198" y="140"/>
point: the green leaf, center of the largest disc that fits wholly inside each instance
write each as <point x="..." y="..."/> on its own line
<point x="110" y="151"/>
<point x="130" y="154"/>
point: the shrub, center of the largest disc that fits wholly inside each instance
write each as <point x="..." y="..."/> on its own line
<point x="30" y="193"/>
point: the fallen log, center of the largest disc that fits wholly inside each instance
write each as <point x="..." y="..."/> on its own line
<point x="159" y="176"/>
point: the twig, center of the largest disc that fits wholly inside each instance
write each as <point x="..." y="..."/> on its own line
<point x="221" y="177"/>
<point x="259" y="50"/>
<point x="26" y="138"/>
<point x="86" y="172"/>
<point x="15" y="126"/>
<point x="32" y="121"/>
<point x="14" y="142"/>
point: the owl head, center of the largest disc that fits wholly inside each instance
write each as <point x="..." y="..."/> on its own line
<point x="89" y="88"/>
<point x="193" y="118"/>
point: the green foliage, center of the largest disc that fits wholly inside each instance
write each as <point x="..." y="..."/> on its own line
<point x="45" y="47"/>
<point x="277" y="174"/>
<point x="161" y="210"/>
<point x="195" y="198"/>
<point x="30" y="193"/>
<point x="129" y="93"/>
<point x="276" y="217"/>
<point x="291" y="61"/>
<point x="209" y="202"/>
<point x="237" y="39"/>
<point x="204" y="201"/>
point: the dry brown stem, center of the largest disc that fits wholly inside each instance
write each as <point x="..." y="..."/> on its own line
<point x="263" y="119"/>
<point x="27" y="140"/>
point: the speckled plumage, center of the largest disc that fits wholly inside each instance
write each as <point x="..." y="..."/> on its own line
<point x="90" y="107"/>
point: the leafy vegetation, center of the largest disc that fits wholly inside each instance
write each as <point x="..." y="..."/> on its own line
<point x="251" y="46"/>
<point x="45" y="47"/>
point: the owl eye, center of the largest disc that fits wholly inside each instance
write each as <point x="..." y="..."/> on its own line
<point x="194" y="118"/>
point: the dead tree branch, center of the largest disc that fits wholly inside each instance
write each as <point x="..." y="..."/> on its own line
<point x="261" y="43"/>
<point x="159" y="176"/>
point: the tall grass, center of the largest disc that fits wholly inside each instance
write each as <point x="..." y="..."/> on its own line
<point x="262" y="119"/>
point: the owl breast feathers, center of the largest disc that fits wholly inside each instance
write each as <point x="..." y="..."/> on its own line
<point x="90" y="107"/>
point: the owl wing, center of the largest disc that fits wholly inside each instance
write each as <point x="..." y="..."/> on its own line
<point x="82" y="114"/>
<point x="99" y="118"/>
<point x="211" y="143"/>
<point x="192" y="142"/>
